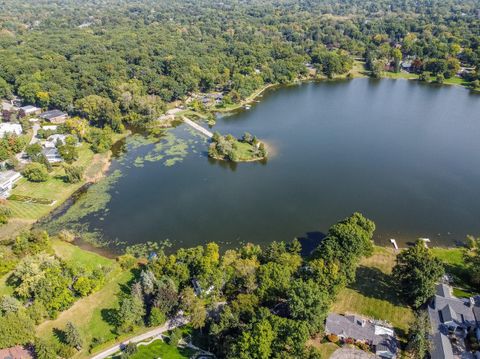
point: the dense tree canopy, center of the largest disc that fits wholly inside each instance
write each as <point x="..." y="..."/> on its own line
<point x="116" y="59"/>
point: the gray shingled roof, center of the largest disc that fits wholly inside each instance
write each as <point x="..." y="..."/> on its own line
<point x="352" y="326"/>
<point x="51" y="114"/>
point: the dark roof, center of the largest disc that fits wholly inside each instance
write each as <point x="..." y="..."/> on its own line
<point x="52" y="114"/>
<point x="443" y="290"/>
<point x="386" y="344"/>
<point x="448" y="314"/>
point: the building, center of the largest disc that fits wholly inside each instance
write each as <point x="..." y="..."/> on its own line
<point x="7" y="180"/>
<point x="54" y="116"/>
<point x="50" y="128"/>
<point x="8" y="110"/>
<point x="451" y="318"/>
<point x="29" y="111"/>
<point x="378" y="335"/>
<point x="10" y="128"/>
<point x="52" y="155"/>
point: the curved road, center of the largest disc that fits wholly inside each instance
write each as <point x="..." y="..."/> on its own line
<point x="178" y="321"/>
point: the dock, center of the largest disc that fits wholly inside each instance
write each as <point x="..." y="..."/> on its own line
<point x="197" y="127"/>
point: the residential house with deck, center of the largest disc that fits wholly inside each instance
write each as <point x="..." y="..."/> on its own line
<point x="379" y="335"/>
<point x="451" y="319"/>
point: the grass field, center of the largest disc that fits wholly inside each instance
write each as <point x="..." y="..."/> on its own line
<point x="90" y="314"/>
<point x="452" y="259"/>
<point x="54" y="189"/>
<point x="160" y="349"/>
<point x="373" y="294"/>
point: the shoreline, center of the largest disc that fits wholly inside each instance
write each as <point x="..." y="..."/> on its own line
<point x="105" y="160"/>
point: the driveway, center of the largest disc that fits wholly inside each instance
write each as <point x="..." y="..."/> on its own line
<point x="350" y="353"/>
<point x="178" y="321"/>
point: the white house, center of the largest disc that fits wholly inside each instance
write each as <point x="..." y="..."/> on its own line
<point x="7" y="180"/>
<point x="50" y="128"/>
<point x="10" y="128"/>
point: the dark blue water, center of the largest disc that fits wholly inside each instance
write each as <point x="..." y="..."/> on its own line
<point x="405" y="154"/>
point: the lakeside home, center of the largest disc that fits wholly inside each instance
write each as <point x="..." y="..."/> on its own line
<point x="452" y="319"/>
<point x="7" y="180"/>
<point x="380" y="337"/>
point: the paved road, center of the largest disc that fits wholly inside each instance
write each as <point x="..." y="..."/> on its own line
<point x="20" y="156"/>
<point x="178" y="321"/>
<point x="198" y="127"/>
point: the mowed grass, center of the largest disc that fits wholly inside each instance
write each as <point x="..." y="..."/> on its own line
<point x="452" y="259"/>
<point x="91" y="314"/>
<point x="79" y="257"/>
<point x="373" y="294"/>
<point x="54" y="189"/>
<point x="160" y="349"/>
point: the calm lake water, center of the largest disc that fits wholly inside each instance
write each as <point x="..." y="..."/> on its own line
<point x="407" y="155"/>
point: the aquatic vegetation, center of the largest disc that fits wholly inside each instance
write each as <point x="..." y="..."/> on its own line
<point x="95" y="199"/>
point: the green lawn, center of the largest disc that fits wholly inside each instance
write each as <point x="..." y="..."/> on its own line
<point x="160" y="349"/>
<point x="373" y="294"/>
<point x="452" y="259"/>
<point x="90" y="314"/>
<point x="79" y="257"/>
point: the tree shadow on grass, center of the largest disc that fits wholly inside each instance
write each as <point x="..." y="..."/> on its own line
<point x="372" y="282"/>
<point x="60" y="335"/>
<point x="110" y="316"/>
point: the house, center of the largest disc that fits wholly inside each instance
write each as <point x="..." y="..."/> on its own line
<point x="29" y="111"/>
<point x="56" y="138"/>
<point x="52" y="155"/>
<point x="8" y="110"/>
<point x="50" y="128"/>
<point x="54" y="116"/>
<point x="7" y="180"/>
<point x="378" y="335"/>
<point x="11" y="128"/>
<point x="451" y="318"/>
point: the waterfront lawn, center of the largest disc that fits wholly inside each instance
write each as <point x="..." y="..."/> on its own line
<point x="78" y="257"/>
<point x="160" y="349"/>
<point x="373" y="293"/>
<point x="454" y="263"/>
<point x="54" y="189"/>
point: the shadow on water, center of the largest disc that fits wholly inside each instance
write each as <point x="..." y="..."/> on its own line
<point x="310" y="241"/>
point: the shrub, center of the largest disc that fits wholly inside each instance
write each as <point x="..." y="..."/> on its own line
<point x="156" y="317"/>
<point x="332" y="338"/>
<point x="73" y="174"/>
<point x="127" y="261"/>
<point x="175" y="337"/>
<point x="35" y="172"/>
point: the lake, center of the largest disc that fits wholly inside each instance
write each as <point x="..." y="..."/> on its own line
<point x="405" y="154"/>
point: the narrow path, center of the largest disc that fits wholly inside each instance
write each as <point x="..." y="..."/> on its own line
<point x="178" y="321"/>
<point x="197" y="127"/>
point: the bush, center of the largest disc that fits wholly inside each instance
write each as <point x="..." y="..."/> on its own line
<point x="175" y="337"/>
<point x="332" y="338"/>
<point x="35" y="172"/>
<point x="73" y="174"/>
<point x="130" y="349"/>
<point x="156" y="317"/>
<point x="127" y="261"/>
<point x="5" y="214"/>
